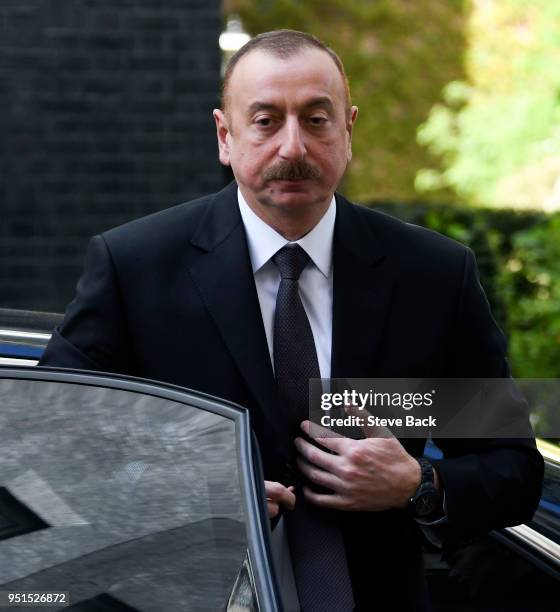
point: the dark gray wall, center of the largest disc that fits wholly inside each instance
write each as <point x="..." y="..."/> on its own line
<point x="105" y="116"/>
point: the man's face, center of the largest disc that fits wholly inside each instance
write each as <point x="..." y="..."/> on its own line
<point x="286" y="130"/>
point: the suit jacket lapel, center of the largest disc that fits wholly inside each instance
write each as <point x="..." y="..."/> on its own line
<point x="224" y="278"/>
<point x="362" y="284"/>
<point x="362" y="290"/>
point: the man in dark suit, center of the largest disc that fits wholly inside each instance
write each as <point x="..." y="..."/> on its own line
<point x="190" y="296"/>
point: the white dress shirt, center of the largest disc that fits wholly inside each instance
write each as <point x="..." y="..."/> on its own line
<point x="316" y="291"/>
<point x="315" y="282"/>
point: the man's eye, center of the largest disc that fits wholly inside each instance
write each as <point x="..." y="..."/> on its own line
<point x="264" y="121"/>
<point x="318" y="120"/>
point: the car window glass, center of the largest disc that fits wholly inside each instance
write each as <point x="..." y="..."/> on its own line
<point x="120" y="498"/>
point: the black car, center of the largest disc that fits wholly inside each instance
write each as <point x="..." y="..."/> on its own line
<point x="125" y="494"/>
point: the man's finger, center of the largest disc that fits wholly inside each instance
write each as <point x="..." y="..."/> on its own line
<point x="325" y="437"/>
<point x="273" y="488"/>
<point x="316" y="456"/>
<point x="370" y="431"/>
<point x="273" y="509"/>
<point x="279" y="494"/>
<point x="320" y="477"/>
<point x="334" y="501"/>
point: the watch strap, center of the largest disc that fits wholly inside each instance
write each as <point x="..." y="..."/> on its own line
<point x="426" y="494"/>
<point x="427" y="472"/>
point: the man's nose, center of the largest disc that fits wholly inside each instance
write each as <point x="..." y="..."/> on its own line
<point x="292" y="146"/>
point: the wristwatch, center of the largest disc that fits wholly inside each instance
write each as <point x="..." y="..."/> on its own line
<point x="426" y="499"/>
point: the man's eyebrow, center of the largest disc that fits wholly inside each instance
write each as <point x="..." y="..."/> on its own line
<point x="258" y="106"/>
<point x="322" y="101"/>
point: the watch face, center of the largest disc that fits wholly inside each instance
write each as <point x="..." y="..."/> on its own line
<point x="425" y="504"/>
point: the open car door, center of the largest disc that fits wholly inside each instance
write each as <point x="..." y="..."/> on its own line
<point x="125" y="494"/>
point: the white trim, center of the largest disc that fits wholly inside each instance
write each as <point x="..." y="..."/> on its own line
<point x="549" y="451"/>
<point x="537" y="541"/>
<point x="11" y="333"/>
<point x="17" y="362"/>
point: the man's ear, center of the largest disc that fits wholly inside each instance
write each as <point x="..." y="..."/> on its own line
<point x="349" y="126"/>
<point x="222" y="132"/>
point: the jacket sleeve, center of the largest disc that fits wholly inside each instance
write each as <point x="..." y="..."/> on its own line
<point x="93" y="335"/>
<point x="488" y="483"/>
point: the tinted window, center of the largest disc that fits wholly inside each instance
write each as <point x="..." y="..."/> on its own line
<point x="121" y="498"/>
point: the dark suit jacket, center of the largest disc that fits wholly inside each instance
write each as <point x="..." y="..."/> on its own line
<point x="172" y="297"/>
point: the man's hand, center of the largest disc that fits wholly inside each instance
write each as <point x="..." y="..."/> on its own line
<point x="276" y="495"/>
<point x="375" y="473"/>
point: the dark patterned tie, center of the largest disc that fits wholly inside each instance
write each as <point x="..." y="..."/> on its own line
<point x="315" y="539"/>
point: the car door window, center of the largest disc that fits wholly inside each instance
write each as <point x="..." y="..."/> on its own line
<point x="126" y="495"/>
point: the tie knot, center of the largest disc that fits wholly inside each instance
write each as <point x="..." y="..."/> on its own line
<point x="291" y="260"/>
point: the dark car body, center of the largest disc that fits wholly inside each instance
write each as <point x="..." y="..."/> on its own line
<point x="135" y="495"/>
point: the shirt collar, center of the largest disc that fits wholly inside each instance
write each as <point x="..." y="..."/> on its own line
<point x="264" y="241"/>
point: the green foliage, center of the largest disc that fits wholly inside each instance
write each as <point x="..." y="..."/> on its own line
<point x="518" y="255"/>
<point x="530" y="285"/>
<point x="494" y="137"/>
<point x="499" y="143"/>
<point x="398" y="55"/>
